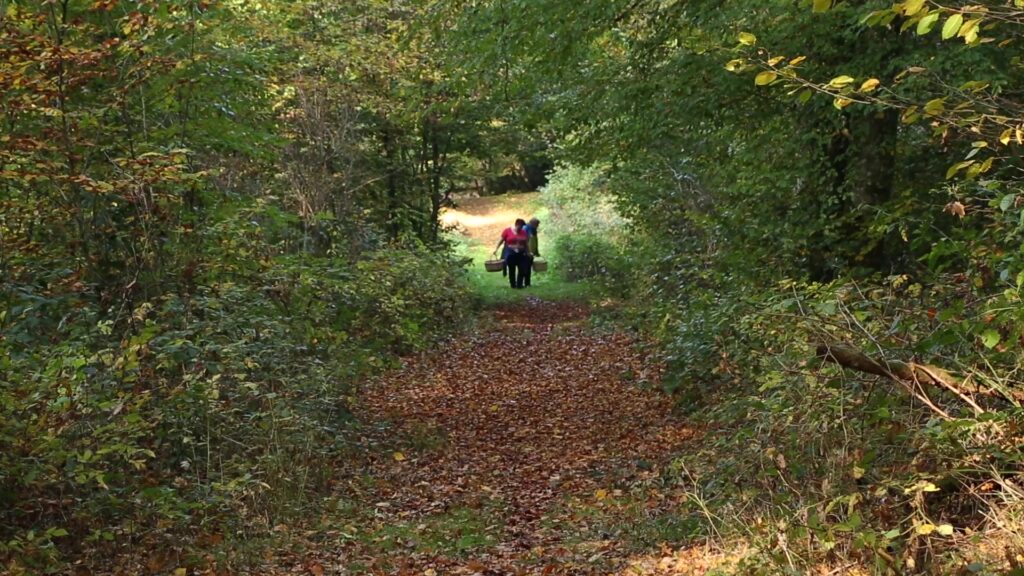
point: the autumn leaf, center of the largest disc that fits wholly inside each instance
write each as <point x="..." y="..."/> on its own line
<point x="955" y="208"/>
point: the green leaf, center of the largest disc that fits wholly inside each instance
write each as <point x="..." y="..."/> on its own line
<point x="990" y="338"/>
<point x="952" y="26"/>
<point x="935" y="107"/>
<point x="1007" y="202"/>
<point x="927" y="23"/>
<point x="957" y="167"/>
<point x="822" y="5"/>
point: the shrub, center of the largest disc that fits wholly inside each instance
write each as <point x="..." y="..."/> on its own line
<point x="586" y="257"/>
<point x="215" y="409"/>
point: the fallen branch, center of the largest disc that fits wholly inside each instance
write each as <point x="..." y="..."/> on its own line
<point x="909" y="372"/>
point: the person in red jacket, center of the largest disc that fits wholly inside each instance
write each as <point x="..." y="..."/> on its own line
<point x="516" y="252"/>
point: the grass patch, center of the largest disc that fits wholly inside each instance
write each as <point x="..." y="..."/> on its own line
<point x="629" y="519"/>
<point x="456" y="532"/>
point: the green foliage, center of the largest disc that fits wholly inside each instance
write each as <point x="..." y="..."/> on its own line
<point x="581" y="203"/>
<point x="590" y="237"/>
<point x="202" y="255"/>
<point x="765" y="216"/>
<point x="215" y="407"/>
<point x="584" y="257"/>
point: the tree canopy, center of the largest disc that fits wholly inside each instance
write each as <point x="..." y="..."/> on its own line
<point x="219" y="217"/>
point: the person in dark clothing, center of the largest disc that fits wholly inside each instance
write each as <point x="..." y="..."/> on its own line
<point x="516" y="250"/>
<point x="532" y="250"/>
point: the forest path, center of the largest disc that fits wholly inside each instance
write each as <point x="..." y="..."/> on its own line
<point x="529" y="448"/>
<point x="536" y="444"/>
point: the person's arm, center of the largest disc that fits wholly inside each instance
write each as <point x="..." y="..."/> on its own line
<point x="500" y="242"/>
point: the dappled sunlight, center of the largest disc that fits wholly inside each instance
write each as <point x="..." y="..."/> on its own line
<point x="483" y="219"/>
<point x="471" y="221"/>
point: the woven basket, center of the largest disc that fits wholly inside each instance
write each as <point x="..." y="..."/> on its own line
<point x="540" y="265"/>
<point x="494" y="265"/>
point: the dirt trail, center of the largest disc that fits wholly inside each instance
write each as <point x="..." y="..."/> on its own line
<point x="511" y="450"/>
<point x="482" y="219"/>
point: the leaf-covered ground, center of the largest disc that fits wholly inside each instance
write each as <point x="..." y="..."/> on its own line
<point x="533" y="447"/>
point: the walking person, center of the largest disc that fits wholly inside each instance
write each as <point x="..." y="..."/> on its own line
<point x="515" y="240"/>
<point x="532" y="250"/>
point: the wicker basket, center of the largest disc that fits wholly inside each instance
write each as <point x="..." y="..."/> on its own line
<point x="540" y="265"/>
<point x="494" y="265"/>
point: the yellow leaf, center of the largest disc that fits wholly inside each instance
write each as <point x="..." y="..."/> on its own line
<point x="180" y="572"/>
<point x="858" y="472"/>
<point x="841" y="102"/>
<point x="911" y="7"/>
<point x="430" y="572"/>
<point x="869" y="85"/>
<point x="970" y="25"/>
<point x="734" y="65"/>
<point x="925" y="529"/>
<point x="971" y="36"/>
<point x="1018" y="135"/>
<point x="398" y="456"/>
<point x="601" y="494"/>
<point x="747" y="39"/>
<point x="822" y="5"/>
<point x="840" y="81"/>
<point x="1005" y="137"/>
<point x="765" y="78"/>
<point x="776" y="60"/>
<point x="797" y="60"/>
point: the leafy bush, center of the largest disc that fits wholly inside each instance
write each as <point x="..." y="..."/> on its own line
<point x="216" y="409"/>
<point x="589" y="257"/>
<point x="581" y="203"/>
<point x="831" y="461"/>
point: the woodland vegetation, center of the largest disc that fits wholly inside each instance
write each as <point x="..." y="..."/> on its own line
<point x="219" y="217"/>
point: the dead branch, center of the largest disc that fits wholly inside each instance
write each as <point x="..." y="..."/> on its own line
<point x="910" y="373"/>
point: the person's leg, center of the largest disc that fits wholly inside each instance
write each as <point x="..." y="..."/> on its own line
<point x="513" y="266"/>
<point x="527" y="270"/>
<point x="504" y="256"/>
<point x="522" y="263"/>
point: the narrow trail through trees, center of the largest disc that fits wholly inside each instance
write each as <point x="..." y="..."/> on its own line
<point x="512" y="447"/>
